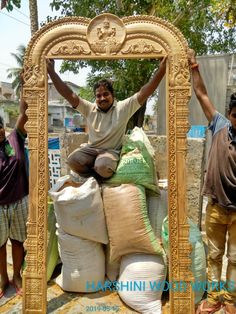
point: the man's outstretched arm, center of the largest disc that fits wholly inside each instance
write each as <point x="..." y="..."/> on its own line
<point x="200" y="88"/>
<point x="22" y="118"/>
<point x="61" y="86"/>
<point x="148" y="89"/>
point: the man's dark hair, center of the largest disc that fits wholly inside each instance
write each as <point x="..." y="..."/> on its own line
<point x="1" y="122"/>
<point x="232" y="102"/>
<point x="105" y="83"/>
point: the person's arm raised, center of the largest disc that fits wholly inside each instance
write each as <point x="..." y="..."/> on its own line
<point x="149" y="88"/>
<point x="200" y="88"/>
<point x="61" y="86"/>
<point x="22" y="118"/>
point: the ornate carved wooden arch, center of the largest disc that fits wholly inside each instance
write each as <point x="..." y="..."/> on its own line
<point x="106" y="37"/>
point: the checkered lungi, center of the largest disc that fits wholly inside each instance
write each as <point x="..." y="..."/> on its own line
<point x="13" y="218"/>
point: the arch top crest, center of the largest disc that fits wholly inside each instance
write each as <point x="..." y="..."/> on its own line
<point x="106" y="36"/>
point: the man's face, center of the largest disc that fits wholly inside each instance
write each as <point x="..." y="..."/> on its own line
<point x="232" y="118"/>
<point x="2" y="133"/>
<point x="104" y="98"/>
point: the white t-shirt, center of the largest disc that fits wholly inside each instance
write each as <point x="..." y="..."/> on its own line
<point x="107" y="129"/>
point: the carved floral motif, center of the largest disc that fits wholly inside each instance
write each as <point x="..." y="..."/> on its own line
<point x="141" y="46"/>
<point x="70" y="48"/>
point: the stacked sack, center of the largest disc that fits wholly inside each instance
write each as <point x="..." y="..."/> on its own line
<point x="135" y="251"/>
<point x="157" y="207"/>
<point x="146" y="273"/>
<point x="81" y="231"/>
<point x="52" y="244"/>
<point x="198" y="256"/>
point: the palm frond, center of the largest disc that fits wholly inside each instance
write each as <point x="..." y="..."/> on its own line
<point x="14" y="73"/>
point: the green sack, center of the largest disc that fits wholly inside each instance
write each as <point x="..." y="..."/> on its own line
<point x="52" y="244"/>
<point x="136" y="165"/>
<point x="198" y="256"/>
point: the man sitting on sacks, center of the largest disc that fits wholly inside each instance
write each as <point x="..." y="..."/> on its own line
<point x="107" y="119"/>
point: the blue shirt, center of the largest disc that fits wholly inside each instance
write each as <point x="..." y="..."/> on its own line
<point x="219" y="122"/>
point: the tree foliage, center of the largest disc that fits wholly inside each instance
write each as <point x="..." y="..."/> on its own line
<point x="10" y="4"/>
<point x="15" y="73"/>
<point x="12" y="110"/>
<point x="206" y="31"/>
<point x="225" y="10"/>
<point x="207" y="25"/>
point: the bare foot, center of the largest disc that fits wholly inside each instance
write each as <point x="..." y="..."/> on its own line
<point x="208" y="308"/>
<point x="3" y="286"/>
<point x="17" y="283"/>
<point x="230" y="309"/>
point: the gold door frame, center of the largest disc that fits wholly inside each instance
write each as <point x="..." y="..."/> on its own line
<point x="107" y="37"/>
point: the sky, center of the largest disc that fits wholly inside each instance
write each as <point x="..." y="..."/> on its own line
<point x="15" y="31"/>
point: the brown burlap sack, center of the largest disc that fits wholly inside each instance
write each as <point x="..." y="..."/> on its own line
<point x="128" y="225"/>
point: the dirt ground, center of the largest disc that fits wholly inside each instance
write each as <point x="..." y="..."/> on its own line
<point x="62" y="302"/>
<point x="72" y="303"/>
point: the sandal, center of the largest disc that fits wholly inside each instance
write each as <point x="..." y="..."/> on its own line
<point x="3" y="290"/>
<point x="19" y="291"/>
<point x="2" y="294"/>
<point x="208" y="308"/>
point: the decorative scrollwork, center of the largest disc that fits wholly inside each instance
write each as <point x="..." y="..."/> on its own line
<point x="33" y="77"/>
<point x="142" y="46"/>
<point x="181" y="76"/>
<point x="70" y="48"/>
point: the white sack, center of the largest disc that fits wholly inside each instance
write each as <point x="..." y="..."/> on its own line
<point x="142" y="270"/>
<point x="79" y="210"/>
<point x="83" y="263"/>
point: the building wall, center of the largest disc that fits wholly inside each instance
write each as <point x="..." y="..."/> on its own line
<point x="4" y="115"/>
<point x="59" y="108"/>
<point x="6" y="91"/>
<point x="53" y="93"/>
